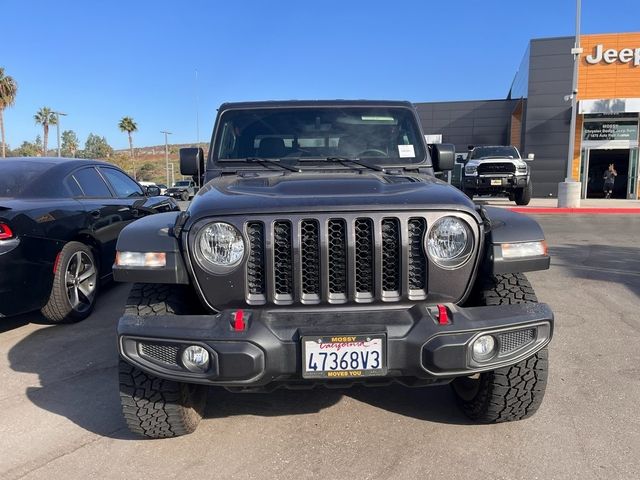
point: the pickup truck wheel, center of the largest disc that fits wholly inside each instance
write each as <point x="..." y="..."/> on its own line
<point x="184" y="196"/>
<point x="508" y="393"/>
<point x="523" y="195"/>
<point x="152" y="406"/>
<point x="468" y="193"/>
<point x="75" y="285"/>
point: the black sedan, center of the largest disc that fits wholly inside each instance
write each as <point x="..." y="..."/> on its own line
<point x="59" y="222"/>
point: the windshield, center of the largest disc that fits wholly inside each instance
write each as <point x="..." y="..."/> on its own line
<point x="375" y="134"/>
<point x="484" y="152"/>
<point x="182" y="183"/>
<point x="16" y="176"/>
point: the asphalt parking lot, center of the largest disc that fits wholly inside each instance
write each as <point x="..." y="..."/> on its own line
<point x="60" y="412"/>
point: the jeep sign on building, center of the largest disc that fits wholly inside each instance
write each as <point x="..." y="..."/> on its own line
<point x="535" y="116"/>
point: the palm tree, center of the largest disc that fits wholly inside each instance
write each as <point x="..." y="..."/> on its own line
<point x="45" y="117"/>
<point x="8" y="90"/>
<point x="128" y="125"/>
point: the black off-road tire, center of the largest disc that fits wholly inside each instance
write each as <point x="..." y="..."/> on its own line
<point x="508" y="393"/>
<point x="152" y="406"/>
<point x="158" y="408"/>
<point x="523" y="195"/>
<point x="184" y="196"/>
<point x="58" y="308"/>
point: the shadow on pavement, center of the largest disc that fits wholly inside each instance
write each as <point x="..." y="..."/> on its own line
<point x="77" y="369"/>
<point x="607" y="263"/>
<point x="435" y="404"/>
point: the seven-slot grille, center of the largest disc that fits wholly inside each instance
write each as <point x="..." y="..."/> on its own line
<point x="336" y="260"/>
<point x="506" y="167"/>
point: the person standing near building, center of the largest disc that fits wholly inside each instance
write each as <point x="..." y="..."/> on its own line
<point x="609" y="180"/>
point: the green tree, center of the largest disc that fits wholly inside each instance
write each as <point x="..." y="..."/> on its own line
<point x="127" y="124"/>
<point x="8" y="91"/>
<point x="97" y="147"/>
<point x="45" y="117"/>
<point x="27" y="149"/>
<point x="69" y="143"/>
<point x="147" y="171"/>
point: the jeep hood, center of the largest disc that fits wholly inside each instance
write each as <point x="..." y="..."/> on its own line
<point x="306" y="192"/>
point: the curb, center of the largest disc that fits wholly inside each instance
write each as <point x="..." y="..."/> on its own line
<point x="578" y="211"/>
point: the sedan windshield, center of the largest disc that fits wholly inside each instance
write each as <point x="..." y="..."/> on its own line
<point x="487" y="152"/>
<point x="375" y="134"/>
<point x="17" y="176"/>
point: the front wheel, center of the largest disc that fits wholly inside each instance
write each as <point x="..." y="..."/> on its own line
<point x="469" y="193"/>
<point x="152" y="406"/>
<point x="523" y="195"/>
<point x="158" y="408"/>
<point x="508" y="393"/>
<point x="184" y="196"/>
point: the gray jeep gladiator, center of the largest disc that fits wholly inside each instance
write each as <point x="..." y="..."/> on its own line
<point x="183" y="189"/>
<point x="497" y="171"/>
<point x="322" y="250"/>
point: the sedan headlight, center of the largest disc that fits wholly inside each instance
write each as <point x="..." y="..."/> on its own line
<point x="471" y="169"/>
<point x="220" y="244"/>
<point x="449" y="242"/>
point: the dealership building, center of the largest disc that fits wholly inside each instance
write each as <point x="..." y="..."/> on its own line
<point x="535" y="116"/>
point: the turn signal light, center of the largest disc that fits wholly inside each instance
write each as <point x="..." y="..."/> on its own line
<point x="141" y="259"/>
<point x="524" y="249"/>
<point x="5" y="232"/>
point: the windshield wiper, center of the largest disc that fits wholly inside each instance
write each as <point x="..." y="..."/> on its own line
<point x="270" y="161"/>
<point x="354" y="161"/>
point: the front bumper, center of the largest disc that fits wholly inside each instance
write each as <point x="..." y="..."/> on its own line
<point x="495" y="182"/>
<point x="174" y="194"/>
<point x="268" y="352"/>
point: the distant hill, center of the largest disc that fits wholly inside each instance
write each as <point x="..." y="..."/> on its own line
<point x="151" y="162"/>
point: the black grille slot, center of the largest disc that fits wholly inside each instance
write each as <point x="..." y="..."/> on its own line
<point x="512" y="341"/>
<point x="255" y="262"/>
<point x="496" y="167"/>
<point x="417" y="259"/>
<point x="310" y="257"/>
<point x="364" y="255"/>
<point x="337" y="256"/>
<point x="391" y="255"/>
<point x="159" y="352"/>
<point x="282" y="258"/>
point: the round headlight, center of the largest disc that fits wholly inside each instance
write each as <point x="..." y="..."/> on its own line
<point x="449" y="243"/>
<point x="220" y="244"/>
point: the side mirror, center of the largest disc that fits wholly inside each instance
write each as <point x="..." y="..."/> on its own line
<point x="191" y="161"/>
<point x="443" y="156"/>
<point x="152" y="191"/>
<point x="470" y="147"/>
<point x="530" y="157"/>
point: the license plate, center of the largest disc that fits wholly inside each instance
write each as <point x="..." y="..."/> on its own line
<point x="344" y="356"/>
<point x="496" y="181"/>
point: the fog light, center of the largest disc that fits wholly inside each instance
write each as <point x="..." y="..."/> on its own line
<point x="483" y="348"/>
<point x="195" y="359"/>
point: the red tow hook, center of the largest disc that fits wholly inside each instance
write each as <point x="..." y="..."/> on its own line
<point x="239" y="324"/>
<point x="443" y="315"/>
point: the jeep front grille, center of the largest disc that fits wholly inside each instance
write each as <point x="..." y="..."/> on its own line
<point x="336" y="260"/>
<point x="489" y="168"/>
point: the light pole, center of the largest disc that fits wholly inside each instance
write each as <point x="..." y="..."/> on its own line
<point x="173" y="179"/>
<point x="58" y="129"/>
<point x="166" y="152"/>
<point x="569" y="190"/>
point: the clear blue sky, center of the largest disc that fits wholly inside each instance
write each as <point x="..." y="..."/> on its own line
<point x="99" y="61"/>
